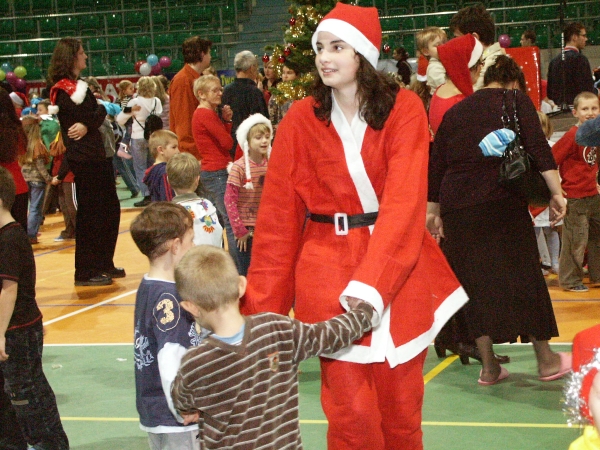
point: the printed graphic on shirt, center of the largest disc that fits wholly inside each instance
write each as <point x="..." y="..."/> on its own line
<point x="274" y="361"/>
<point x="167" y="312"/>
<point x="208" y="224"/>
<point x="141" y="353"/>
<point x="195" y="337"/>
<point x="590" y="155"/>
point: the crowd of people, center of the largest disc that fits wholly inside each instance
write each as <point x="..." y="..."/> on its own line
<point x="365" y="218"/>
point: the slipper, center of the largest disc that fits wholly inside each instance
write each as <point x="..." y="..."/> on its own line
<point x="503" y="374"/>
<point x="566" y="364"/>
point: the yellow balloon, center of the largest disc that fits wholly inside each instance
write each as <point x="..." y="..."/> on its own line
<point x="2" y="75"/>
<point x="20" y="71"/>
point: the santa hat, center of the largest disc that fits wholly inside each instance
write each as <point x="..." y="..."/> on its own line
<point x="457" y="56"/>
<point x="76" y="90"/>
<point x="19" y="99"/>
<point x="242" y="137"/>
<point x="355" y="25"/>
<point x="422" y="64"/>
<point x="586" y="364"/>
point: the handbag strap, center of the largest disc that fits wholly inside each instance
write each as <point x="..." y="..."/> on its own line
<point x="506" y="120"/>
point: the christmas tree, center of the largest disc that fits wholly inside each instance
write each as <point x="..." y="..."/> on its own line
<point x="297" y="49"/>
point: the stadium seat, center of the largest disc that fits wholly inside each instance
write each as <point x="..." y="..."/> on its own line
<point x="68" y="24"/>
<point x="48" y="26"/>
<point x="30" y="47"/>
<point x="545" y="13"/>
<point x="7" y="28"/>
<point x="4" y="9"/>
<point x="408" y="42"/>
<point x="124" y="68"/>
<point x="164" y="40"/>
<point x="64" y="6"/>
<point x="98" y="44"/>
<point x="47" y="46"/>
<point x="8" y="49"/>
<point x="142" y="43"/>
<point x="107" y="5"/>
<point x="572" y="12"/>
<point x="594" y="36"/>
<point x="22" y="7"/>
<point x="118" y="43"/>
<point x="35" y="73"/>
<point x="518" y="15"/>
<point x="42" y="7"/>
<point x="117" y="58"/>
<point x="136" y="21"/>
<point x="160" y="17"/>
<point x="448" y="7"/>
<point x="398" y="4"/>
<point x="181" y="37"/>
<point x="390" y="24"/>
<point x="419" y="22"/>
<point x="114" y="20"/>
<point x="176" y="65"/>
<point x="90" y="22"/>
<point x="25" y="26"/>
<point x="84" y="5"/>
<point x="179" y="19"/>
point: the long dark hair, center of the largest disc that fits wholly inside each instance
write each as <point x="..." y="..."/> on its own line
<point x="505" y="70"/>
<point x="376" y="93"/>
<point x="63" y="60"/>
<point x="12" y="136"/>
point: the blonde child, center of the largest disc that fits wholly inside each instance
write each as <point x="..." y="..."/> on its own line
<point x="240" y="382"/>
<point x="139" y="108"/>
<point x="254" y="137"/>
<point x="33" y="167"/>
<point x="126" y="90"/>
<point x="578" y="169"/>
<point x="183" y="171"/>
<point x="162" y="331"/>
<point x="161" y="92"/>
<point x="163" y="144"/>
<point x="547" y="237"/>
<point x="428" y="39"/>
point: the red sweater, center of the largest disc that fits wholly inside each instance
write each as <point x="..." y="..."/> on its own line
<point x="213" y="139"/>
<point x="183" y="103"/>
<point x="578" y="166"/>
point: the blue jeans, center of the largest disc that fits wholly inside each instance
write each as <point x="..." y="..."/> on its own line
<point x="31" y="396"/>
<point x="141" y="161"/>
<point x="37" y="191"/>
<point x="244" y="257"/>
<point x="125" y="168"/>
<point x="215" y="183"/>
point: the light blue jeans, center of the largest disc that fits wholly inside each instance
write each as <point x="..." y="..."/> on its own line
<point x="37" y="191"/>
<point x="215" y="183"/>
<point x="141" y="161"/>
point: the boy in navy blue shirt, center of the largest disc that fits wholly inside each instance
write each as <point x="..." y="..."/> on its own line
<point x="163" y="330"/>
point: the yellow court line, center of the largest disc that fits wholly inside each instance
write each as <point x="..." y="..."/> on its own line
<point x="324" y="422"/>
<point x="438" y="369"/>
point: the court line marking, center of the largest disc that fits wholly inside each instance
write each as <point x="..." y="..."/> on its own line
<point x="58" y="249"/>
<point x="439" y="368"/>
<point x="325" y="422"/>
<point x="79" y="311"/>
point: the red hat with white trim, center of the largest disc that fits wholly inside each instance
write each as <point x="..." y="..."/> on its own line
<point x="242" y="137"/>
<point x="355" y="25"/>
<point x="422" y="64"/>
<point x="457" y="56"/>
<point x="19" y="99"/>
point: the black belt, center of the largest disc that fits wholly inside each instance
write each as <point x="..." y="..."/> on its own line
<point x="343" y="222"/>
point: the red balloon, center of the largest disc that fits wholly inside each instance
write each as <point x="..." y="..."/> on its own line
<point x="156" y="70"/>
<point x="138" y="65"/>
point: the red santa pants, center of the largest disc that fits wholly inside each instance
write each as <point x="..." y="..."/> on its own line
<point x="372" y="406"/>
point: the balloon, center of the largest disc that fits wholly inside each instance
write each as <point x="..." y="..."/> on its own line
<point x="20" y="84"/>
<point x="20" y="71"/>
<point x="2" y="75"/>
<point x="6" y="67"/>
<point x="11" y="77"/>
<point x="504" y="40"/>
<point x="164" y="61"/>
<point x="152" y="59"/>
<point x="156" y="70"/>
<point x="145" y="69"/>
<point x="137" y="65"/>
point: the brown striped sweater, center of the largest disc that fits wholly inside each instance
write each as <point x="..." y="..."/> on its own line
<point x="247" y="394"/>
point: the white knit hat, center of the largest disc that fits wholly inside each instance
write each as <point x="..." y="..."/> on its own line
<point x="242" y="137"/>
<point x="355" y="25"/>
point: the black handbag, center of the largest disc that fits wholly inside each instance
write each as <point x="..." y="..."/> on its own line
<point x="518" y="170"/>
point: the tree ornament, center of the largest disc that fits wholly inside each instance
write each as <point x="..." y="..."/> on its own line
<point x="292" y="45"/>
<point x="265" y="58"/>
<point x="281" y="59"/>
<point x="386" y="48"/>
<point x="287" y="51"/>
<point x="292" y="21"/>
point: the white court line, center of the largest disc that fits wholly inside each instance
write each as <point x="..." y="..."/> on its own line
<point x="79" y="311"/>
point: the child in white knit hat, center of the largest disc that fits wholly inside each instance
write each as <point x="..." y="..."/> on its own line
<point x="245" y="182"/>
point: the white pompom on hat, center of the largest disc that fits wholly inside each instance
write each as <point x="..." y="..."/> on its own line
<point x="355" y="25"/>
<point x="242" y="137"/>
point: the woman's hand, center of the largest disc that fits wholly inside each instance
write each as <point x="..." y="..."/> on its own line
<point x="435" y="226"/>
<point x="135" y="108"/>
<point x="77" y="131"/>
<point x="55" y="181"/>
<point x="242" y="242"/>
<point x="558" y="209"/>
<point x="227" y="113"/>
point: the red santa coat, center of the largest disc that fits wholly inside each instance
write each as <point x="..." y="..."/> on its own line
<point x="395" y="265"/>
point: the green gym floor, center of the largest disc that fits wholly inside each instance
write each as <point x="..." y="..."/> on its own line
<point x="96" y="396"/>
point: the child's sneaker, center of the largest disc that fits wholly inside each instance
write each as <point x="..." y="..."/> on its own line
<point x="578" y="288"/>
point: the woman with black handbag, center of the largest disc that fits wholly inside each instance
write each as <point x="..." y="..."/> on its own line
<point x="485" y="229"/>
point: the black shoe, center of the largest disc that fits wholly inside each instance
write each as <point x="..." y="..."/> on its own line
<point x="100" y="280"/>
<point x="117" y="272"/>
<point x="143" y="203"/>
<point x="135" y="194"/>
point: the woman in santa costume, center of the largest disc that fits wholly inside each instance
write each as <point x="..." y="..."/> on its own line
<point x="354" y="157"/>
<point x="98" y="209"/>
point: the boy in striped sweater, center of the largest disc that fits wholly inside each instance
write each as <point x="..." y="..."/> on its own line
<point x="240" y="383"/>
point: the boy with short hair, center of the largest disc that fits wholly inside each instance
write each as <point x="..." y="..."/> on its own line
<point x="163" y="145"/>
<point x="183" y="172"/>
<point x="22" y="334"/>
<point x="428" y="39"/>
<point x="578" y="168"/>
<point x="241" y="382"/>
<point x="163" y="232"/>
